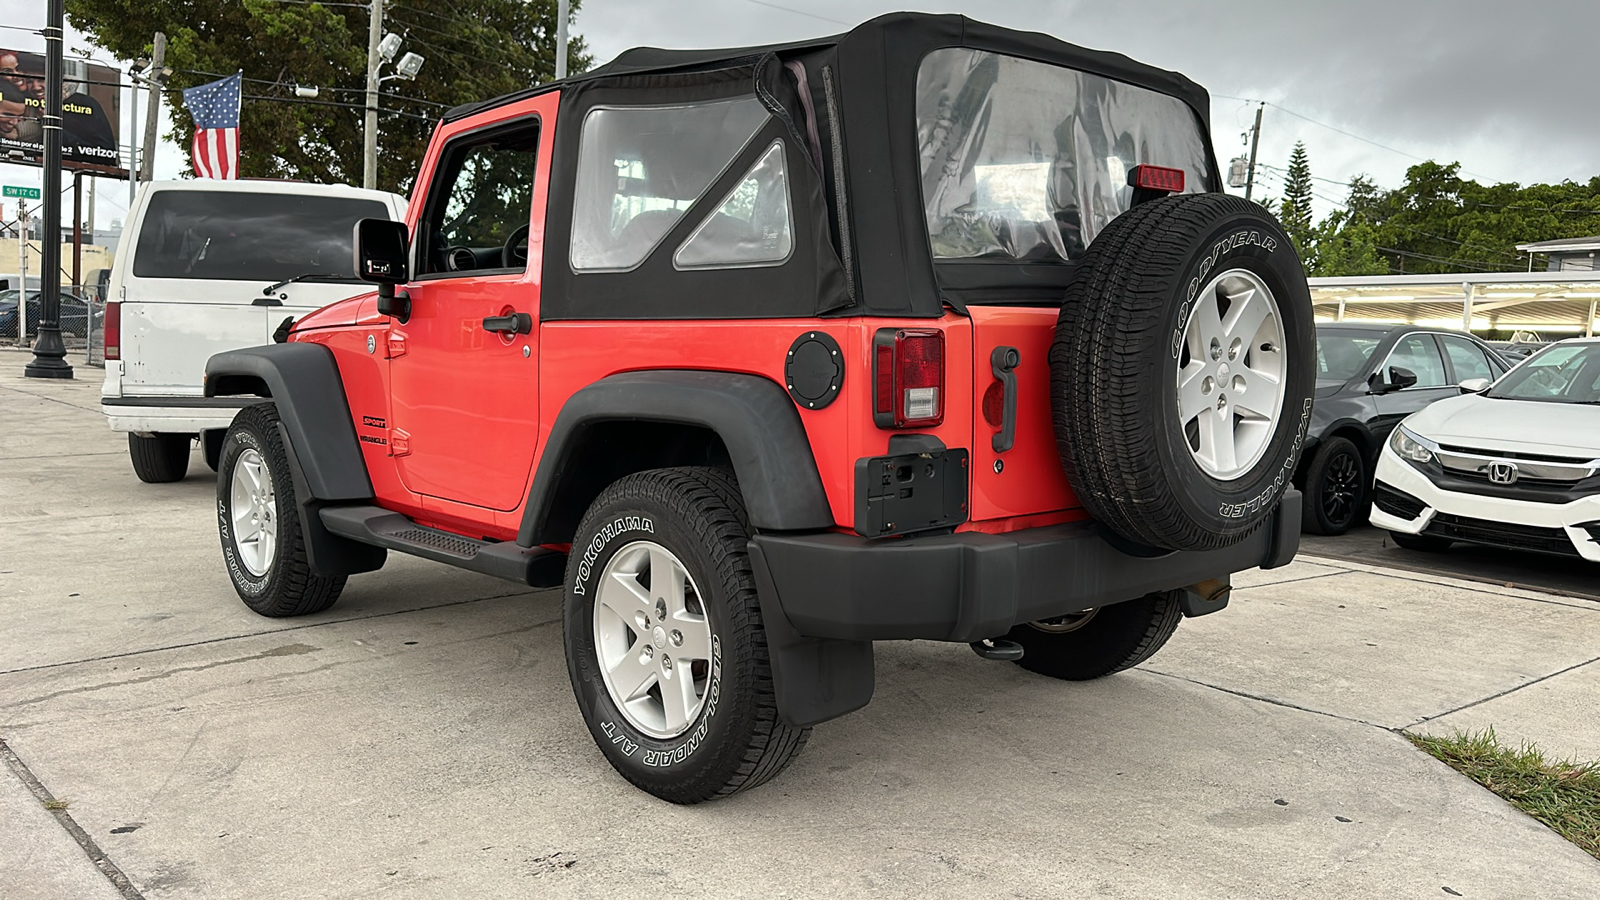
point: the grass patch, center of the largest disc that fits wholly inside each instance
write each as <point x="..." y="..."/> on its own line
<point x="1563" y="794"/>
<point x="55" y="804"/>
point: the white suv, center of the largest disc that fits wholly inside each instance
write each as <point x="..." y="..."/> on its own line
<point x="1516" y="464"/>
<point x="207" y="266"/>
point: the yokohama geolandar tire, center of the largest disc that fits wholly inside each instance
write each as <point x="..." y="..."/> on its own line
<point x="1181" y="373"/>
<point x="1098" y="642"/>
<point x="259" y="521"/>
<point x="664" y="639"/>
<point x="159" y="458"/>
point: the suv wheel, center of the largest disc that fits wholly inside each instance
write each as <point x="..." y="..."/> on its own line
<point x="159" y="458"/>
<point x="1181" y="373"/>
<point x="258" y="520"/>
<point x="1097" y="642"/>
<point x="664" y="641"/>
<point x="1336" y="487"/>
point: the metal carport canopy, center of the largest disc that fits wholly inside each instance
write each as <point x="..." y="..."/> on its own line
<point x="1553" y="301"/>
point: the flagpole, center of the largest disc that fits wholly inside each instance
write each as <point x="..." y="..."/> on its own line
<point x="49" y="353"/>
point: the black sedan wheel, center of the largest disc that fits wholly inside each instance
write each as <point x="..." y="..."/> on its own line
<point x="1336" y="488"/>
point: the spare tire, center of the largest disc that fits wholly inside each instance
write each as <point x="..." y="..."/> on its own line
<point x="1182" y="371"/>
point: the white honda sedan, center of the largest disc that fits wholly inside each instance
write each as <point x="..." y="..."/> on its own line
<point x="1515" y="464"/>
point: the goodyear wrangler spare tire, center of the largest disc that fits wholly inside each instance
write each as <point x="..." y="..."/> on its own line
<point x="1181" y="373"/>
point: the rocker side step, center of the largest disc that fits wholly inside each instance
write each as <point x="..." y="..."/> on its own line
<point x="534" y="566"/>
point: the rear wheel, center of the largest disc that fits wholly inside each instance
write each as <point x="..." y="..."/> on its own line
<point x="1097" y="642"/>
<point x="664" y="640"/>
<point x="259" y="523"/>
<point x="1336" y="487"/>
<point x="1426" y="543"/>
<point x="159" y="458"/>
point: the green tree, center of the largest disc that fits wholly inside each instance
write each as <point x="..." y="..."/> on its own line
<point x="1295" y="209"/>
<point x="475" y="49"/>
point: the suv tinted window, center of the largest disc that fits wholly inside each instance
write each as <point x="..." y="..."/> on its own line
<point x="1027" y="160"/>
<point x="1420" y="354"/>
<point x="1466" y="358"/>
<point x="249" y="237"/>
<point x="640" y="167"/>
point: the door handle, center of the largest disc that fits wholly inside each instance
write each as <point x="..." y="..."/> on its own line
<point x="515" y="323"/>
<point x="1003" y="362"/>
<point x="266" y="301"/>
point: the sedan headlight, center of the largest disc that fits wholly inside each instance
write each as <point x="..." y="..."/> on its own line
<point x="1410" y="447"/>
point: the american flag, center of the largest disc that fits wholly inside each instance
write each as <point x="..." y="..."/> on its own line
<point x="215" y="108"/>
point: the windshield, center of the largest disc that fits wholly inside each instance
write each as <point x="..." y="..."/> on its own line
<point x="1342" y="355"/>
<point x="1561" y="373"/>
<point x="1026" y="160"/>
<point x="249" y="237"/>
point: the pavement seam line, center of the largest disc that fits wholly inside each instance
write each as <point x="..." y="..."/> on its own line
<point x="52" y="399"/>
<point x="284" y="630"/>
<point x="1283" y="703"/>
<point x="1477" y="585"/>
<point x="96" y="856"/>
<point x="1267" y="584"/>
<point x="1510" y="690"/>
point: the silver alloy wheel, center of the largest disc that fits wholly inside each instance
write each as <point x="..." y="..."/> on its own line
<point x="1231" y="374"/>
<point x="254" y="509"/>
<point x="1066" y="623"/>
<point x="653" y="639"/>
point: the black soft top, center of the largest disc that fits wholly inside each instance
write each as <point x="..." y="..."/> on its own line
<point x="848" y="102"/>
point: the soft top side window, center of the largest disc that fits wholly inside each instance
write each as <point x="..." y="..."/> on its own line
<point x="641" y="167"/>
<point x="477" y="218"/>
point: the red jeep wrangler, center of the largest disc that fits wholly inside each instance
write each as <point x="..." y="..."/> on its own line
<point x="928" y="331"/>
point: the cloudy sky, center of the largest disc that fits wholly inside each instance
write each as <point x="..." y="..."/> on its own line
<point x="1371" y="86"/>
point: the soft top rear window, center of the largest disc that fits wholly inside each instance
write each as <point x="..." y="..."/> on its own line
<point x="1027" y="160"/>
<point x="249" y="236"/>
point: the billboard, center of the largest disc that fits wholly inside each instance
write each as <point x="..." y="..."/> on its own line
<point x="91" y="106"/>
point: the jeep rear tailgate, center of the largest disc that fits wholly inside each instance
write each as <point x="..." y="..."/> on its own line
<point x="1028" y="478"/>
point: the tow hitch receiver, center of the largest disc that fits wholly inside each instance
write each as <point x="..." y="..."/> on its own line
<point x="997" y="649"/>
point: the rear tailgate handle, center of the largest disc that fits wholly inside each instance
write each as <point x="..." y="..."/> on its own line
<point x="266" y="301"/>
<point x="1003" y="361"/>
<point x="515" y="323"/>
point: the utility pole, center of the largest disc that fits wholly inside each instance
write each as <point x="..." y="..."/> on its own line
<point x="369" y="156"/>
<point x="152" y="116"/>
<point x="561" y="40"/>
<point x="49" y="353"/>
<point x="1255" y="140"/>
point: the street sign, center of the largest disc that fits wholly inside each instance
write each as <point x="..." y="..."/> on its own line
<point x="26" y="193"/>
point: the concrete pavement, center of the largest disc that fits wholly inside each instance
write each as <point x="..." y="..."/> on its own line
<point x="420" y="738"/>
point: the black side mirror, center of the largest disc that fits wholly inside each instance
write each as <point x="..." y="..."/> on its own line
<point x="382" y="257"/>
<point x="1399" y="379"/>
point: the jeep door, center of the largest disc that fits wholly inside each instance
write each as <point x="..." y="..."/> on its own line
<point x="464" y="367"/>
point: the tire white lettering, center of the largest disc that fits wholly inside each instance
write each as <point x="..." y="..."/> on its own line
<point x="1265" y="499"/>
<point x="1238" y="239"/>
<point x="662" y="758"/>
<point x="619" y="739"/>
<point x="619" y="525"/>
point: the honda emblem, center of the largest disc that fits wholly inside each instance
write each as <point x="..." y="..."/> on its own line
<point x="1502" y="472"/>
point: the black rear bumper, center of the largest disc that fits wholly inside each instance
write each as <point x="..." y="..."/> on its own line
<point x="970" y="586"/>
<point x="826" y="597"/>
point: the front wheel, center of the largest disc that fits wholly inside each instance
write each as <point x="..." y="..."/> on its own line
<point x="259" y="522"/>
<point x="1336" y="487"/>
<point x="1097" y="642"/>
<point x="664" y="640"/>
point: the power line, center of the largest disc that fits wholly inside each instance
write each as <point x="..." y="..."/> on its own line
<point x="798" y="12"/>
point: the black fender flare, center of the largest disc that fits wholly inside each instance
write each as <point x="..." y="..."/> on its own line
<point x="302" y="379"/>
<point x="754" y="416"/>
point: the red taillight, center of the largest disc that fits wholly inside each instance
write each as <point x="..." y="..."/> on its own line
<point x="908" y="380"/>
<point x="113" y="330"/>
<point x="1157" y="178"/>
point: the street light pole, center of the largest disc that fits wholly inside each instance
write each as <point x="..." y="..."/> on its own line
<point x="369" y="154"/>
<point x="49" y="354"/>
<point x="561" y="40"/>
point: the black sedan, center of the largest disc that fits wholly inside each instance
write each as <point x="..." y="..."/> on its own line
<point x="74" y="314"/>
<point x="1369" y="377"/>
